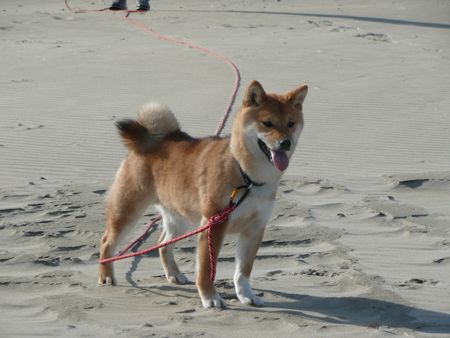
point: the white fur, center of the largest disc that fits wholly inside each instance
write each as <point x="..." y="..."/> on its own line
<point x="295" y="138"/>
<point x="214" y="301"/>
<point x="174" y="225"/>
<point x="245" y="245"/>
<point x="157" y="118"/>
<point x="266" y="170"/>
<point x="244" y="291"/>
<point x="258" y="201"/>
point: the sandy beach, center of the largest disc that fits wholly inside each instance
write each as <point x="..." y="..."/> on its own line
<point x="359" y="241"/>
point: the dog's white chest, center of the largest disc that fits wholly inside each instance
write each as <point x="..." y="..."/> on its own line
<point x="254" y="212"/>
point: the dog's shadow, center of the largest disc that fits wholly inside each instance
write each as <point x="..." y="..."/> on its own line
<point x="359" y="311"/>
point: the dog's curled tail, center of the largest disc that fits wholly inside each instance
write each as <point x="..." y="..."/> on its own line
<point x="153" y="123"/>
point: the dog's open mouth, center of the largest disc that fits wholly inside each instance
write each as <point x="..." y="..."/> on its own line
<point x="278" y="158"/>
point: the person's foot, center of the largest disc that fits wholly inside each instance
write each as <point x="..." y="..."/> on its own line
<point x="143" y="5"/>
<point x="117" y="8"/>
<point x="119" y="5"/>
<point x="143" y="8"/>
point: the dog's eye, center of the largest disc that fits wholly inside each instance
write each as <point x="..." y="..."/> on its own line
<point x="291" y="124"/>
<point x="268" y="124"/>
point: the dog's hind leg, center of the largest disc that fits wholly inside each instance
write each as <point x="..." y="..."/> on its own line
<point x="174" y="226"/>
<point x="107" y="246"/>
<point x="126" y="202"/>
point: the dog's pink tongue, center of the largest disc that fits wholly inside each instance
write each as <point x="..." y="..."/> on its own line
<point x="280" y="160"/>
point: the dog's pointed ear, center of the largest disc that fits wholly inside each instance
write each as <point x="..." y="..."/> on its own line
<point x="254" y="95"/>
<point x="297" y="96"/>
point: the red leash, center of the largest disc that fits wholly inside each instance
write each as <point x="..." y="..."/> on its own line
<point x="213" y="221"/>
<point x="221" y="216"/>
<point x="150" y="225"/>
<point x="84" y="10"/>
<point x="211" y="53"/>
<point x="217" y="56"/>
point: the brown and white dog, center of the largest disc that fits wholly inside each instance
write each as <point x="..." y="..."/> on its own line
<point x="190" y="179"/>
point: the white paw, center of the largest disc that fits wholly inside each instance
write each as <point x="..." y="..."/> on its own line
<point x="178" y="278"/>
<point x="108" y="280"/>
<point x="251" y="300"/>
<point x="213" y="302"/>
<point x="244" y="291"/>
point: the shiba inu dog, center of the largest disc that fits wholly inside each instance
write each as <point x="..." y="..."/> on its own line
<point x="190" y="179"/>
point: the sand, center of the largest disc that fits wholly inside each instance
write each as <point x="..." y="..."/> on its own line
<point x="359" y="241"/>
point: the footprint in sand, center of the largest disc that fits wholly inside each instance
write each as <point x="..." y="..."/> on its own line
<point x="443" y="260"/>
<point x="413" y="184"/>
<point x="321" y="23"/>
<point x="416" y="283"/>
<point x="392" y="209"/>
<point x="287" y="243"/>
<point x="33" y="233"/>
<point x="377" y="37"/>
<point x="341" y="29"/>
<point x="19" y="81"/>
<point x="316" y="272"/>
<point x="76" y="309"/>
<point x="47" y="260"/>
<point x="70" y="248"/>
<point x="10" y="211"/>
<point x="5" y="256"/>
<point x="23" y="127"/>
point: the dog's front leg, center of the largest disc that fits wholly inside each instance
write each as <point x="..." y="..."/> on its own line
<point x="206" y="289"/>
<point x="246" y="248"/>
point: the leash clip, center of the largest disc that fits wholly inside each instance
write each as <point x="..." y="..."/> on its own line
<point x="249" y="184"/>
<point x="243" y="197"/>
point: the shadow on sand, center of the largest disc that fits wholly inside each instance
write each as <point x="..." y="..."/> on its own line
<point x="331" y="16"/>
<point x="360" y="311"/>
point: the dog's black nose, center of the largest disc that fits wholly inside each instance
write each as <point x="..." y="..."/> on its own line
<point x="285" y="145"/>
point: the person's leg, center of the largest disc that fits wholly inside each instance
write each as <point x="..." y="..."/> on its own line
<point x="118" y="5"/>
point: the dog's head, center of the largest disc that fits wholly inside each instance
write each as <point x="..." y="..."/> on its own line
<point x="269" y="125"/>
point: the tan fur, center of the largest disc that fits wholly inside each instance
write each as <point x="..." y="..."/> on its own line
<point x="192" y="179"/>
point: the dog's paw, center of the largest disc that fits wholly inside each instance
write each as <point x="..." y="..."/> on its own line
<point x="244" y="291"/>
<point x="251" y="300"/>
<point x="107" y="281"/>
<point x="215" y="301"/>
<point x="179" y="278"/>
